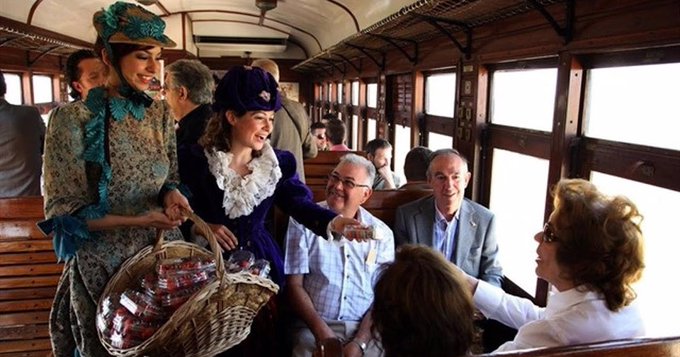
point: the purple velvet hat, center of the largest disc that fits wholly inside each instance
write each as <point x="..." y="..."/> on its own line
<point x="245" y="89"/>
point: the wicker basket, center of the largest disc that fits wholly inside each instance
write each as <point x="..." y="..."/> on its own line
<point x="213" y="320"/>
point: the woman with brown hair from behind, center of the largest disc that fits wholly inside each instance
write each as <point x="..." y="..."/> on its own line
<point x="422" y="306"/>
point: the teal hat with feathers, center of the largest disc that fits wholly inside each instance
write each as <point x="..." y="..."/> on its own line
<point x="125" y="23"/>
<point x="129" y="23"/>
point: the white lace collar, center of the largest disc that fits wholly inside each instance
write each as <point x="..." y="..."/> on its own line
<point x="243" y="194"/>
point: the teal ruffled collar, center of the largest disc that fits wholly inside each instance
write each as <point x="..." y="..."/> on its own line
<point x="119" y="107"/>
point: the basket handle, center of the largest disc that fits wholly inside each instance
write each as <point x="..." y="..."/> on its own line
<point x="214" y="246"/>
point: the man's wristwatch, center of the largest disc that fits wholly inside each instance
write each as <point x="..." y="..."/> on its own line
<point x="361" y="344"/>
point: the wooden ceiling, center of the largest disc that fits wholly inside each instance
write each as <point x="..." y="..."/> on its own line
<point x="317" y="34"/>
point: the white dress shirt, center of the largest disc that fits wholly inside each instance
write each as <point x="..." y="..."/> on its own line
<point x="444" y="234"/>
<point x="571" y="317"/>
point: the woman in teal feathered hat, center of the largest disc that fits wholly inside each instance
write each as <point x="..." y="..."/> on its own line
<point x="110" y="171"/>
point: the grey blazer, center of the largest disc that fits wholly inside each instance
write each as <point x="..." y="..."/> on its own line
<point x="22" y="133"/>
<point x="476" y="245"/>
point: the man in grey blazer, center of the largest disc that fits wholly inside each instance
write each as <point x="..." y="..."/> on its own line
<point x="22" y="132"/>
<point x="291" y="124"/>
<point x="462" y="230"/>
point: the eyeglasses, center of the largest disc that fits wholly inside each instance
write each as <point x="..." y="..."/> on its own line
<point x="548" y="235"/>
<point x="346" y="183"/>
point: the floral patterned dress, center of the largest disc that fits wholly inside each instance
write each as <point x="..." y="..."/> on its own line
<point x="141" y="155"/>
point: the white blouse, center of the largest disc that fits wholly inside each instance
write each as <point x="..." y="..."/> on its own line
<point x="571" y="317"/>
<point x="243" y="194"/>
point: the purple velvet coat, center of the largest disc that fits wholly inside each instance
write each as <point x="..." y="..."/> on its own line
<point x="291" y="196"/>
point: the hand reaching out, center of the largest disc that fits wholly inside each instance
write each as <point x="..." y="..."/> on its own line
<point x="340" y="223"/>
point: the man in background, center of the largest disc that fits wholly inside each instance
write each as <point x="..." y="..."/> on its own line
<point x="335" y="133"/>
<point x="188" y="90"/>
<point x="291" y="124"/>
<point x="379" y="151"/>
<point x="22" y="133"/>
<point x="319" y="133"/>
<point x="84" y="71"/>
<point x="415" y="169"/>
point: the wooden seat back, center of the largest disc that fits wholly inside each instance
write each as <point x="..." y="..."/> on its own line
<point x="318" y="168"/>
<point x="639" y="347"/>
<point x="29" y="274"/>
<point x="643" y="347"/>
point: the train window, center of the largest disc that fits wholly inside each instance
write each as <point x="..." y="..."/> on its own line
<point x="438" y="141"/>
<point x="515" y="232"/>
<point x="340" y="93"/>
<point x="42" y="89"/>
<point x="372" y="95"/>
<point x="657" y="301"/>
<point x="402" y="138"/>
<point x="370" y="132"/>
<point x="524" y="98"/>
<point x="355" y="131"/>
<point x="637" y="101"/>
<point x="440" y="94"/>
<point x="355" y="93"/>
<point x="14" y="91"/>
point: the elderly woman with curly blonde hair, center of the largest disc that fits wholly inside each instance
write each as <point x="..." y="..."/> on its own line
<point x="590" y="250"/>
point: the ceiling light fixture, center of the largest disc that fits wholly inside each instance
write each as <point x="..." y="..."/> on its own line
<point x="265" y="5"/>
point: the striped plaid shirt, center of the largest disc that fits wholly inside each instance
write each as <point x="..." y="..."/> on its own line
<point x="338" y="278"/>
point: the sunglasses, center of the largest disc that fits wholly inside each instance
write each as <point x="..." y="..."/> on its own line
<point x="549" y="235"/>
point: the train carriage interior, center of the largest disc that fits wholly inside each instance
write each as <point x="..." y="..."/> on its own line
<point x="529" y="91"/>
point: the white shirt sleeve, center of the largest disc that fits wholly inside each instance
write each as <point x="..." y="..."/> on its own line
<point x="511" y="310"/>
<point x="539" y="333"/>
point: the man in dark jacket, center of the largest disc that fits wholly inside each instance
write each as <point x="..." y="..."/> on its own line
<point x="22" y="132"/>
<point x="188" y="90"/>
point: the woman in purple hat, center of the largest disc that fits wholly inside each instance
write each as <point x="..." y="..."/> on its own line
<point x="235" y="176"/>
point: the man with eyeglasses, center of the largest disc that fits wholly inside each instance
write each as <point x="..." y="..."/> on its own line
<point x="462" y="230"/>
<point x="330" y="283"/>
<point x="319" y="133"/>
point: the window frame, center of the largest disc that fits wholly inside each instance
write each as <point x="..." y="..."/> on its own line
<point x="437" y="123"/>
<point x="571" y="153"/>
